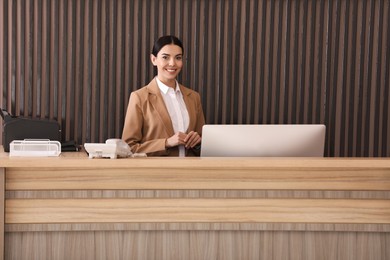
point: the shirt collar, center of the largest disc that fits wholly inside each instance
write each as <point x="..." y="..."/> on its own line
<point x="164" y="88"/>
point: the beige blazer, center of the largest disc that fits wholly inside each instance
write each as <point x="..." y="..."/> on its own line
<point x="148" y="124"/>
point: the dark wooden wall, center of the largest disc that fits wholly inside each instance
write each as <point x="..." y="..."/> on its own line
<point x="253" y="62"/>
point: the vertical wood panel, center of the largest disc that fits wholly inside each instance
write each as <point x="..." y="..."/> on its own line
<point x="61" y="64"/>
<point x="253" y="62"/>
<point x="18" y="53"/>
<point x="26" y="47"/>
<point x="2" y="57"/>
<point x="9" y="59"/>
<point x="53" y="60"/>
<point x="35" y="61"/>
<point x="195" y="245"/>
<point x="386" y="96"/>
<point x="102" y="64"/>
<point x="86" y="100"/>
<point x="45" y="84"/>
<point x="2" y="202"/>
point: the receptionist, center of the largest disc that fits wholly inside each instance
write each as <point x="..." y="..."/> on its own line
<point x="164" y="118"/>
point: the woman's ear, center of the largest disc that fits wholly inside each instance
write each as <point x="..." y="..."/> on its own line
<point x="153" y="59"/>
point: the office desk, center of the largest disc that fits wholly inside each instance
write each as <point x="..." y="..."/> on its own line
<point x="72" y="207"/>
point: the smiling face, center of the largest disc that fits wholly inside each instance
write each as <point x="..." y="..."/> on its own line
<point x="169" y="62"/>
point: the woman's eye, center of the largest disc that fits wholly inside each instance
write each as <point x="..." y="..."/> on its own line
<point x="179" y="58"/>
<point x="165" y="57"/>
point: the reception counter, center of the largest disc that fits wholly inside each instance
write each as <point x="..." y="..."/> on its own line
<point x="72" y="207"/>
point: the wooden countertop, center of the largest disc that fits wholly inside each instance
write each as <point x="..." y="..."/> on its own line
<point x="74" y="171"/>
<point x="81" y="160"/>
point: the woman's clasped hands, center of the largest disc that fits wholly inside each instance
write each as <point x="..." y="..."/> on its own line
<point x="189" y="140"/>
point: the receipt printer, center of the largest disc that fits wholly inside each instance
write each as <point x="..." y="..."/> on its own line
<point x="20" y="128"/>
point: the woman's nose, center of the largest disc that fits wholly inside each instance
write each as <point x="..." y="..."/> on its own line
<point x="172" y="62"/>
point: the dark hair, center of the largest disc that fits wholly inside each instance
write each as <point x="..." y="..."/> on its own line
<point x="165" y="40"/>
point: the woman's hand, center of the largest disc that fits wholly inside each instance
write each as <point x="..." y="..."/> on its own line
<point x="192" y="139"/>
<point x="189" y="140"/>
<point x="175" y="140"/>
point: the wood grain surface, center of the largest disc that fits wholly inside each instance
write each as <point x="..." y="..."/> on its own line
<point x="72" y="207"/>
<point x="197" y="210"/>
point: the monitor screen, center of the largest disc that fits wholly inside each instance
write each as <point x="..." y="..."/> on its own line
<point x="263" y="141"/>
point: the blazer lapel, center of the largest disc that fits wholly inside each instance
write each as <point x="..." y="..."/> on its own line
<point x="190" y="106"/>
<point x="157" y="102"/>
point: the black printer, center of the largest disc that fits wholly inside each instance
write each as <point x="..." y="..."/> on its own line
<point x="20" y="128"/>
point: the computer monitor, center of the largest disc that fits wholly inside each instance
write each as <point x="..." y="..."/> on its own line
<point x="263" y="141"/>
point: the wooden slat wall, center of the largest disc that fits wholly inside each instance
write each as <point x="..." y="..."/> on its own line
<point x="253" y="62"/>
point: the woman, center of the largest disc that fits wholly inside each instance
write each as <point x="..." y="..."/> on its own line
<point x="164" y="118"/>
